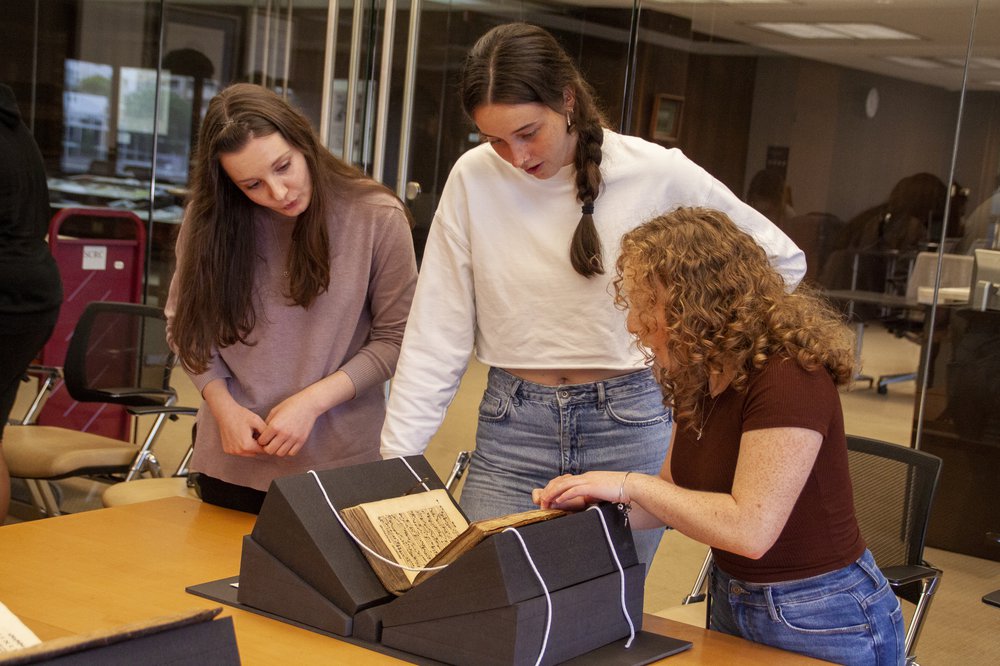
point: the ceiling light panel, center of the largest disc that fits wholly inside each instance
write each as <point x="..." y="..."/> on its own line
<point x="725" y="2"/>
<point x="799" y="30"/>
<point x="867" y="31"/>
<point x="920" y="63"/>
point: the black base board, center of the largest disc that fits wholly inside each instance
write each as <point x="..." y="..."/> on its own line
<point x="646" y="648"/>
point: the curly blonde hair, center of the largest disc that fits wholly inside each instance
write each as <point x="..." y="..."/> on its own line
<point x="723" y="306"/>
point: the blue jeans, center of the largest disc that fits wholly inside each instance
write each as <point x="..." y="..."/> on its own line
<point x="847" y="616"/>
<point x="529" y="433"/>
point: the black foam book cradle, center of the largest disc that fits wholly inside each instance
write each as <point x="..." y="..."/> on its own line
<point x="488" y="607"/>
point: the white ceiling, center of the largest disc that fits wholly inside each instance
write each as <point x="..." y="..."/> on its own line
<point x="943" y="27"/>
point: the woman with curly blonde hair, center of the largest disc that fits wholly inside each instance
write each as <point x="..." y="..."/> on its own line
<point x="757" y="468"/>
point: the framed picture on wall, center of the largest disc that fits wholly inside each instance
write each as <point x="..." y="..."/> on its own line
<point x="202" y="44"/>
<point x="665" y="124"/>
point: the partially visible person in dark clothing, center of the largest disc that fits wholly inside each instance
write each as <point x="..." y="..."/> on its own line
<point x="769" y="194"/>
<point x="902" y="222"/>
<point x="30" y="288"/>
<point x="876" y="246"/>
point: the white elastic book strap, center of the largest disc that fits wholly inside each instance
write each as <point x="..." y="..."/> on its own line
<point x="621" y="572"/>
<point x="548" y="597"/>
<point x="545" y="589"/>
<point x="358" y="541"/>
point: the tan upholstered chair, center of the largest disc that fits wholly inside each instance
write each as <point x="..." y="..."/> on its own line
<point x="118" y="355"/>
<point x="179" y="484"/>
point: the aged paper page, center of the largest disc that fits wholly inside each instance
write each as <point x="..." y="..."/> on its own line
<point x="14" y="635"/>
<point x="416" y="527"/>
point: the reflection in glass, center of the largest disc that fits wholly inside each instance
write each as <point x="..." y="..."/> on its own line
<point x="86" y="108"/>
<point x="753" y="99"/>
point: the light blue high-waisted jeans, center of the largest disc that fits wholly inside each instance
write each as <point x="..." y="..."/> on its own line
<point x="848" y="616"/>
<point x="530" y="433"/>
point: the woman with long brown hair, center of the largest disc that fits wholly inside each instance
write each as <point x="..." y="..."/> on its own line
<point x="758" y="464"/>
<point x="294" y="277"/>
<point x="514" y="269"/>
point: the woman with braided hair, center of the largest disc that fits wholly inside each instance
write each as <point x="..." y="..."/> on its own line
<point x="514" y="268"/>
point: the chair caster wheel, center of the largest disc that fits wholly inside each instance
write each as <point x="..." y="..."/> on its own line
<point x="882" y="389"/>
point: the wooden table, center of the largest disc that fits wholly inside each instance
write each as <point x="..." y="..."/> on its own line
<point x="101" y="569"/>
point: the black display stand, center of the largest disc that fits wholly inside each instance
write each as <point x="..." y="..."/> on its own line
<point x="299" y="565"/>
<point x="492" y="593"/>
<point x="192" y="638"/>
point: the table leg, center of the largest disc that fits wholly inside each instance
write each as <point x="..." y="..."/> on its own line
<point x="858" y="336"/>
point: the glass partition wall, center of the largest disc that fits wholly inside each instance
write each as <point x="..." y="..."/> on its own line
<point x="868" y="131"/>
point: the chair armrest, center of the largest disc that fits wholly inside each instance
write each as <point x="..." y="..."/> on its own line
<point x="43" y="370"/>
<point x="144" y="396"/>
<point x="49" y="376"/>
<point x="906" y="574"/>
<point x="172" y="411"/>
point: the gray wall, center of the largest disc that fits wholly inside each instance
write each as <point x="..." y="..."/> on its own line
<point x="844" y="162"/>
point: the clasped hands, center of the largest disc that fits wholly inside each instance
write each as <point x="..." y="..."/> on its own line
<point x="282" y="433"/>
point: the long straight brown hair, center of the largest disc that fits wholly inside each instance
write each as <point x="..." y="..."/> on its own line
<point x="519" y="63"/>
<point x="215" y="307"/>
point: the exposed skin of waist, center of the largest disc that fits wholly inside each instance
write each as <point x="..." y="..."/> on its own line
<point x="550" y="377"/>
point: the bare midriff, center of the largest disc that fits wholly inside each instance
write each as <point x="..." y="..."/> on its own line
<point x="548" y="377"/>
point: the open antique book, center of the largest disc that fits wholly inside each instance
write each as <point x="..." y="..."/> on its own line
<point x="423" y="530"/>
<point x="14" y="634"/>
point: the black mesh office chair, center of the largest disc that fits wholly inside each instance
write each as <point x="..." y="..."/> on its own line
<point x="118" y="355"/>
<point x="956" y="272"/>
<point x="893" y="492"/>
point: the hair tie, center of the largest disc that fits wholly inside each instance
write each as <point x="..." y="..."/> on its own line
<point x="588" y="208"/>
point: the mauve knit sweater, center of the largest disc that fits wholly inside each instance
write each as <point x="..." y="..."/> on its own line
<point x="355" y="326"/>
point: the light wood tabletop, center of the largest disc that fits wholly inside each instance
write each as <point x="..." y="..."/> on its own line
<point x="101" y="569"/>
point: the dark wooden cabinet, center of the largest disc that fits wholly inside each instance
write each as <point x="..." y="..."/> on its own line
<point x="962" y="427"/>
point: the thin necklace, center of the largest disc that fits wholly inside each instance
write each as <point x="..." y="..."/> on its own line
<point x="277" y="245"/>
<point x="704" y="419"/>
